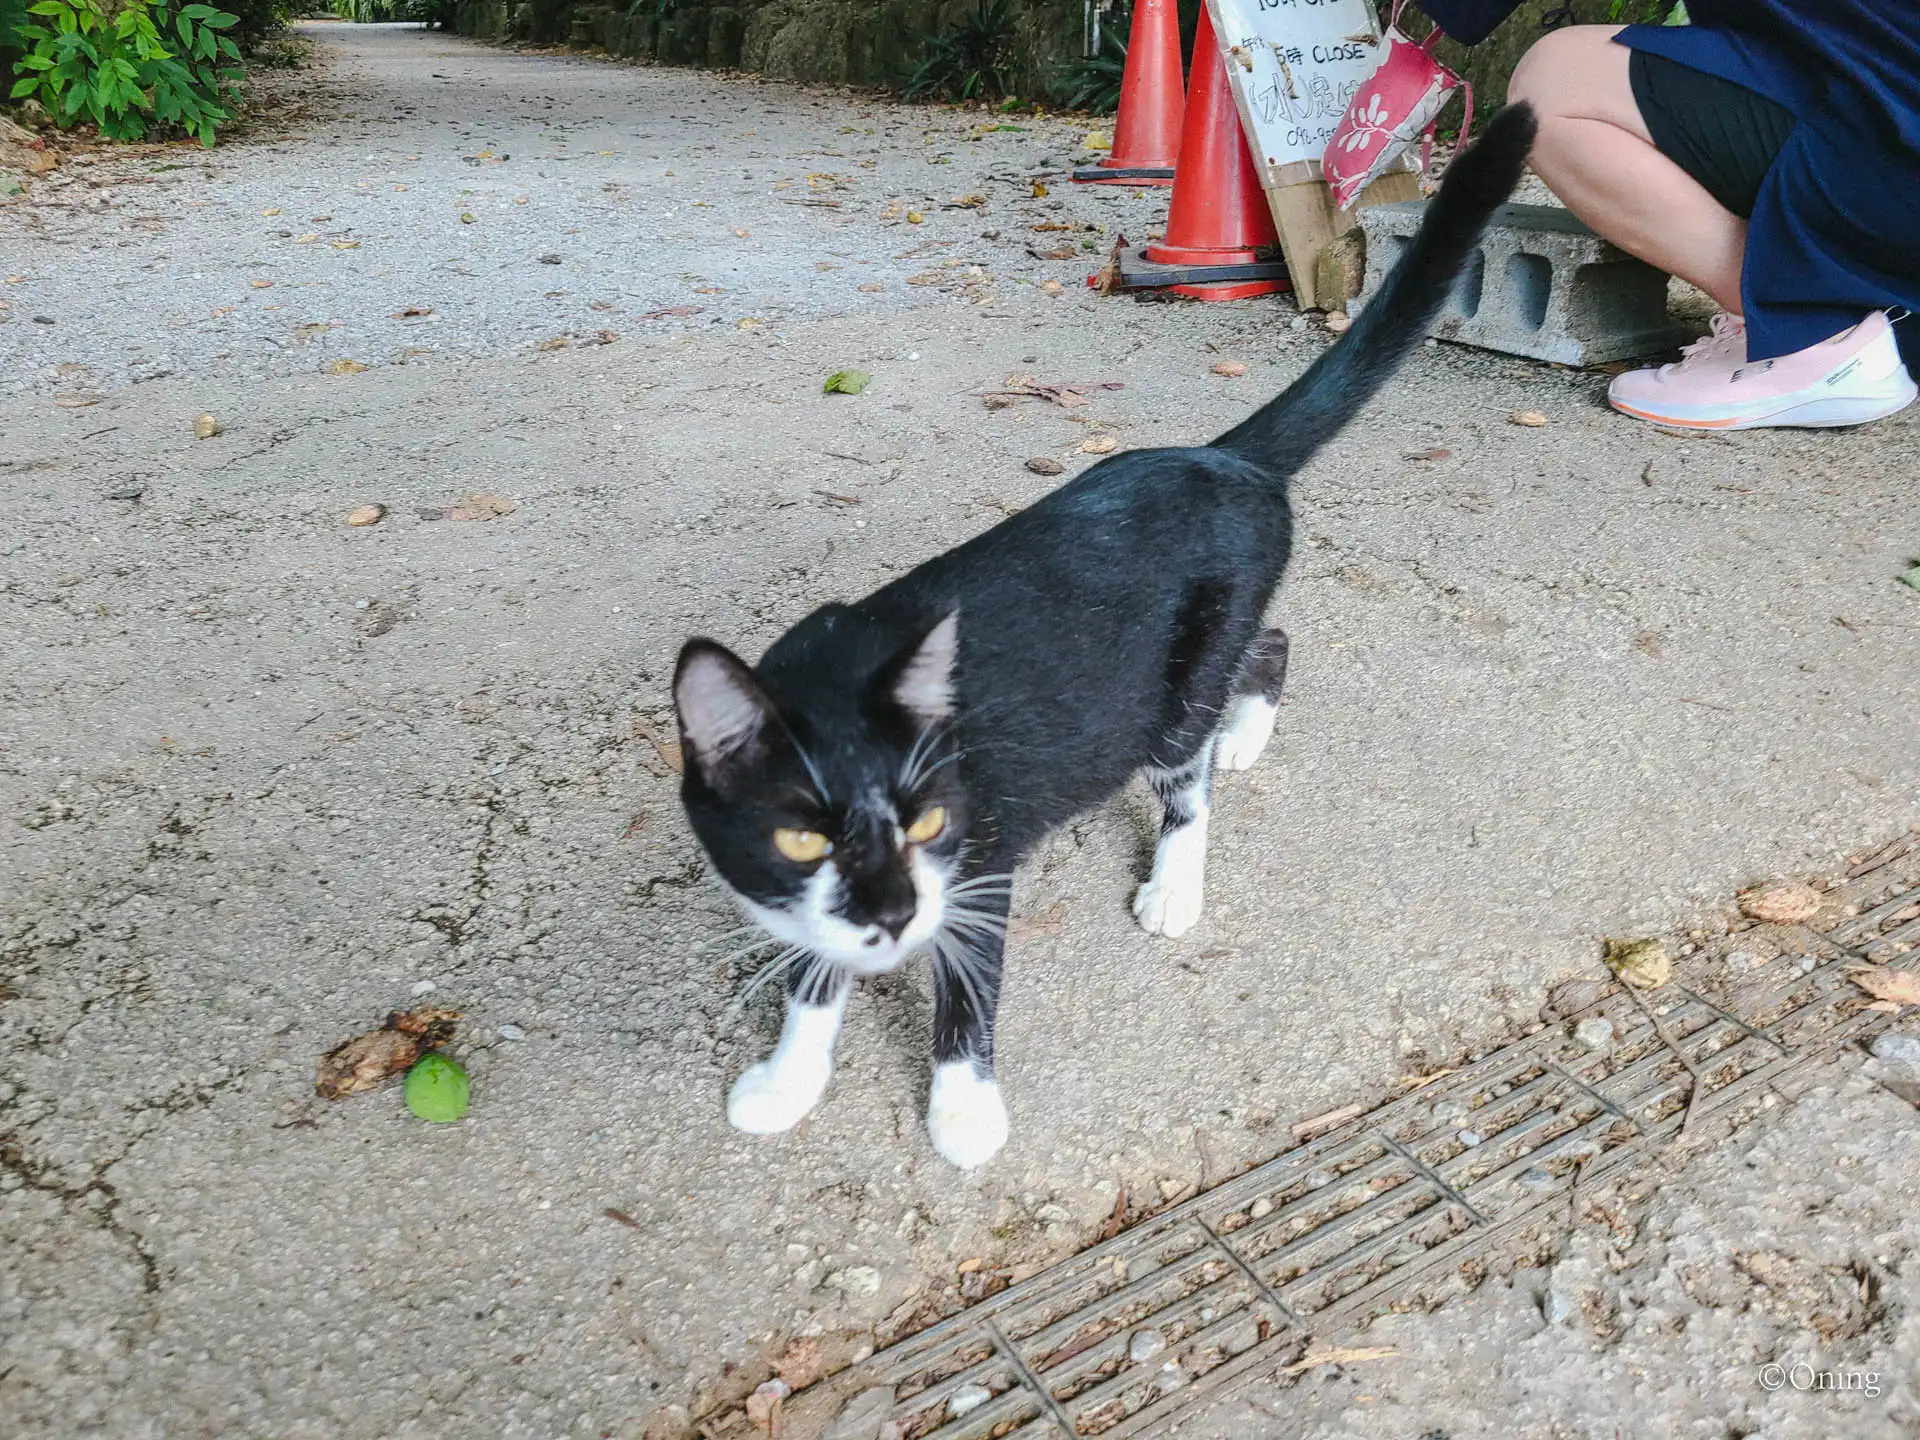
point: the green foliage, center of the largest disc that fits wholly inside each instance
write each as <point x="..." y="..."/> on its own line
<point x="137" y="68"/>
<point x="1093" y="82"/>
<point x="1647" y="12"/>
<point x="380" y="12"/>
<point x="967" y="60"/>
<point x="13" y="16"/>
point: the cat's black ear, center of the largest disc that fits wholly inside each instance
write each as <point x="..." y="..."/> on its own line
<point x="724" y="715"/>
<point x="920" y="682"/>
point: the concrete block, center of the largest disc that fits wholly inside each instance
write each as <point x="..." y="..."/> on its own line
<point x="1541" y="285"/>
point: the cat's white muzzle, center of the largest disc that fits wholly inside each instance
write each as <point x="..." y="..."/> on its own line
<point x="815" y="924"/>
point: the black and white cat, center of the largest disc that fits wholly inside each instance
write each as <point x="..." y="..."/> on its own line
<point x="867" y="789"/>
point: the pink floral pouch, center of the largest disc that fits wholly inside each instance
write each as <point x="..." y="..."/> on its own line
<point x="1400" y="103"/>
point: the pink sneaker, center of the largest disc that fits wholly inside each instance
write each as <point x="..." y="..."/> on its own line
<point x="1848" y="380"/>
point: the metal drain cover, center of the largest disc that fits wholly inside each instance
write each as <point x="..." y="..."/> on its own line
<point x="1228" y="1285"/>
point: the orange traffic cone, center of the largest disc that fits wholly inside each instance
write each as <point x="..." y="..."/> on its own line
<point x="1218" y="218"/>
<point x="1146" y="132"/>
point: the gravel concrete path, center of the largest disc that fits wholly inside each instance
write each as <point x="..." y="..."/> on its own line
<point x="264" y="776"/>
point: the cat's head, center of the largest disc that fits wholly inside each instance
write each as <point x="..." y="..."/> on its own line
<point x="836" y="816"/>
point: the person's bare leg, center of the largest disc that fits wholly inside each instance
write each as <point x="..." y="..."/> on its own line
<point x="1594" y="152"/>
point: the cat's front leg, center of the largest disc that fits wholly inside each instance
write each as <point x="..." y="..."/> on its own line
<point x="777" y="1093"/>
<point x="966" y="1117"/>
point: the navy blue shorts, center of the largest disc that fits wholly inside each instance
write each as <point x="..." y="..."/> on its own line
<point x="1722" y="134"/>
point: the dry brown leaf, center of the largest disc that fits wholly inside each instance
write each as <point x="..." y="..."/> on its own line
<point x="558" y="342"/>
<point x="673" y="310"/>
<point x="1051" y="287"/>
<point x="366" y="515"/>
<point x="1045" y="465"/>
<point x="271" y="210"/>
<point x="412" y="312"/>
<point x="914" y="217"/>
<point x="1039" y="190"/>
<point x="306" y="239"/>
<point x="1429" y="454"/>
<point x="76" y="402"/>
<point x="971" y="1264"/>
<point x="1230" y="368"/>
<point x="1783" y="902"/>
<point x="1099" y="445"/>
<point x="1532" y="419"/>
<point x="1410" y="1083"/>
<point x="801" y="1363"/>
<point x="872" y="287"/>
<point x="763" y="1408"/>
<point x="1896" y="987"/>
<point x="743" y="234"/>
<point x="1048" y="922"/>
<point x="261" y="284"/>
<point x="1059" y="252"/>
<point x="345" y="367"/>
<point x="482" y="507"/>
<point x="1320" y="1124"/>
<point x="1320" y="1353"/>
<point x="666" y="747"/>
<point x="1116" y="1221"/>
<point x="366" y="1060"/>
<point x="1643" y="964"/>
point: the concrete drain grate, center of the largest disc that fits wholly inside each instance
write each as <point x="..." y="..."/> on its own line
<point x="1230" y="1284"/>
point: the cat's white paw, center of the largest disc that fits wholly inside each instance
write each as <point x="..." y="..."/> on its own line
<point x="966" y="1116"/>
<point x="1169" y="906"/>
<point x="1249" y="726"/>
<point x="770" y="1097"/>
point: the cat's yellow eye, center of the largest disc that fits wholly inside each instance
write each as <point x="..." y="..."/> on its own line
<point x="928" y="826"/>
<point x="803" y="847"/>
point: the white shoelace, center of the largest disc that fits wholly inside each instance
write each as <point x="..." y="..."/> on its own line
<point x="1728" y="337"/>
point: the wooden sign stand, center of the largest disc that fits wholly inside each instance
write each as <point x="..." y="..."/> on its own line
<point x="1290" y="97"/>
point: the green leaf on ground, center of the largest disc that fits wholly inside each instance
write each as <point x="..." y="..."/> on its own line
<point x="437" y="1089"/>
<point x="847" y="382"/>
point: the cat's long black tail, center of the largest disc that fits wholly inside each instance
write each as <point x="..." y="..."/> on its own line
<point x="1284" y="433"/>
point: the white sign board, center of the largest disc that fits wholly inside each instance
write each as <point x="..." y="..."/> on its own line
<point x="1294" y="65"/>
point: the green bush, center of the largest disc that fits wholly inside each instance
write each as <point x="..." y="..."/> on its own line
<point x="1093" y="82"/>
<point x="966" y="61"/>
<point x="379" y="12"/>
<point x="115" y="68"/>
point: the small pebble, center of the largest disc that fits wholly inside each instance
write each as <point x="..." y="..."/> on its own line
<point x="1260" y="1208"/>
<point x="1469" y="1138"/>
<point x="512" y="1032"/>
<point x="205" y="427"/>
<point x="966" y="1398"/>
<point x="1535" y="1179"/>
<point x="1445" y="1110"/>
<point x="859" y="1280"/>
<point x="1144" y="1345"/>
<point x="366" y="515"/>
<point x="1808" y="964"/>
<point x="1319" y="1179"/>
<point x="1596" y="1032"/>
<point x="424" y="987"/>
<point x="1897" y="1049"/>
<point x="1299" y="322"/>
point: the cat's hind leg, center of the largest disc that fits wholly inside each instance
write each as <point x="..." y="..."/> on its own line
<point x="1250" y="716"/>
<point x="777" y="1093"/>
<point x="1169" y="903"/>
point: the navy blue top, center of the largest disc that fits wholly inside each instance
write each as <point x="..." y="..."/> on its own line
<point x="1835" y="232"/>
